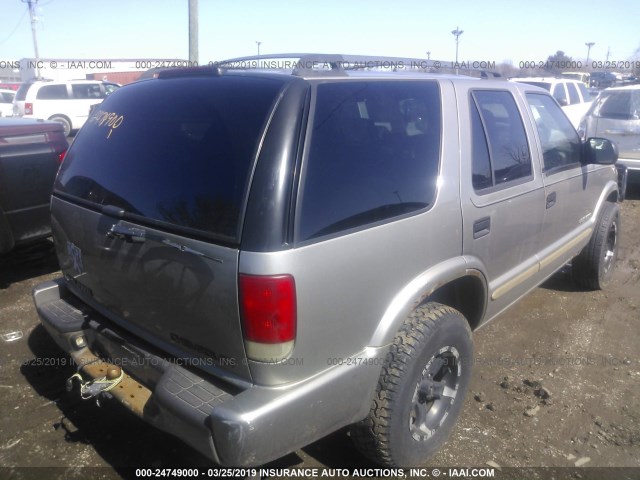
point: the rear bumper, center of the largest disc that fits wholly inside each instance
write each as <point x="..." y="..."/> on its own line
<point x="231" y="426"/>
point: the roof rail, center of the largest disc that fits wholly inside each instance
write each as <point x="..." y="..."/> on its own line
<point x="321" y="64"/>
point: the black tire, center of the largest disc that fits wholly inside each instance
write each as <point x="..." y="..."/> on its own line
<point x="593" y="268"/>
<point x="408" y="421"/>
<point x="66" y="124"/>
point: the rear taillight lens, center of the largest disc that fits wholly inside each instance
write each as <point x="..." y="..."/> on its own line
<point x="61" y="156"/>
<point x="28" y="108"/>
<point x="269" y="317"/>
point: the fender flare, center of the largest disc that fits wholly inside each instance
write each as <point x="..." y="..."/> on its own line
<point x="417" y="290"/>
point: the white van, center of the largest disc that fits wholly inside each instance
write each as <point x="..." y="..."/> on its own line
<point x="66" y="102"/>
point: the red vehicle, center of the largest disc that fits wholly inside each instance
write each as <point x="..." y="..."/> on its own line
<point x="10" y="85"/>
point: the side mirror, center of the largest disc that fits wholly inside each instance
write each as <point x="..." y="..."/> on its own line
<point x="563" y="102"/>
<point x="599" y="151"/>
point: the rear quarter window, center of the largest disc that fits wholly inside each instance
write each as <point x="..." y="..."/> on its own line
<point x="374" y="154"/>
<point x="52" y="92"/>
<point x="183" y="162"/>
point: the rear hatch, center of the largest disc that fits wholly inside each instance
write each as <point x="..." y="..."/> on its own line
<point x="617" y="118"/>
<point x="147" y="210"/>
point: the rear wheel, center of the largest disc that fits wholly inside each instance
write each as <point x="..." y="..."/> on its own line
<point x="593" y="268"/>
<point x="66" y="124"/>
<point x="421" y="389"/>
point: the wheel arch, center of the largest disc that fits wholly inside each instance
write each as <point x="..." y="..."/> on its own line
<point x="452" y="282"/>
<point x="63" y="116"/>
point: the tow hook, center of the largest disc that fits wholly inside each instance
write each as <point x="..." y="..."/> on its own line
<point x="92" y="388"/>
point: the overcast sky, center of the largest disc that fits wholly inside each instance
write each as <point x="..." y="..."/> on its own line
<point x="496" y="30"/>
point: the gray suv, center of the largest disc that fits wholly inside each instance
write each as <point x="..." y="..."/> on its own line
<point x="279" y="253"/>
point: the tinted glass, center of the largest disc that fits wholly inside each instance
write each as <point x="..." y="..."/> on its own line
<point x="559" y="140"/>
<point x="185" y="162"/>
<point x="52" y="92"/>
<point x="88" y="91"/>
<point x="559" y="94"/>
<point x="508" y="146"/>
<point x="482" y="176"/>
<point x="619" y="105"/>
<point x="21" y="94"/>
<point x="586" y="96"/>
<point x="374" y="154"/>
<point x="109" y="88"/>
<point x="573" y="93"/>
<point x="6" y="97"/>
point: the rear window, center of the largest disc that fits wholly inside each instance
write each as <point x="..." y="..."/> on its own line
<point x="374" y="155"/>
<point x="175" y="151"/>
<point x="618" y="105"/>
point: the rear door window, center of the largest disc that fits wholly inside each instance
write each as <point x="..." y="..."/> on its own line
<point x="506" y="140"/>
<point x="182" y="163"/>
<point x="559" y="94"/>
<point x="374" y="154"/>
<point x="573" y="94"/>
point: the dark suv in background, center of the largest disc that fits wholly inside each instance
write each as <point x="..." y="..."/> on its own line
<point x="30" y="154"/>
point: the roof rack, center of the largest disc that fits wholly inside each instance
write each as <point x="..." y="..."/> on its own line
<point x="322" y="64"/>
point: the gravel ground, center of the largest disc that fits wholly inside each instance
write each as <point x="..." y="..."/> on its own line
<point x="556" y="384"/>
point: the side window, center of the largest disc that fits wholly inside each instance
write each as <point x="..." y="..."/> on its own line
<point x="586" y="96"/>
<point x="573" y="93"/>
<point x="109" y="88"/>
<point x="52" y="92"/>
<point x="501" y="125"/>
<point x="481" y="165"/>
<point x="618" y="105"/>
<point x="559" y="94"/>
<point x="374" y="154"/>
<point x="86" y="91"/>
<point x="560" y="143"/>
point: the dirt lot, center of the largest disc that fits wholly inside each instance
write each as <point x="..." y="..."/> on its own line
<point x="556" y="381"/>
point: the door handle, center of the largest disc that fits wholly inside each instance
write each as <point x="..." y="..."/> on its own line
<point x="128" y="234"/>
<point x="481" y="227"/>
<point x="551" y="200"/>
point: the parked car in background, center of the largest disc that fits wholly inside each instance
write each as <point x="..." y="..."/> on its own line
<point x="602" y="79"/>
<point x="65" y="102"/>
<point x="6" y="102"/>
<point x="615" y="115"/>
<point x="579" y="76"/>
<point x="572" y="95"/>
<point x="30" y="154"/>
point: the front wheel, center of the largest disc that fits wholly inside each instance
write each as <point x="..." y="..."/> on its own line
<point x="421" y="389"/>
<point x="593" y="268"/>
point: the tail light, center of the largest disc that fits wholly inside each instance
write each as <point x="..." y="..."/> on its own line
<point x="61" y="156"/>
<point x="28" y="108"/>
<point x="269" y="316"/>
